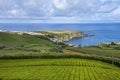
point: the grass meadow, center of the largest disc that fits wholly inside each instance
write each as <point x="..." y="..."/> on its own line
<point x="57" y="69"/>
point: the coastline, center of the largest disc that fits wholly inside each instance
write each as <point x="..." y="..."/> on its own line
<point x="57" y="36"/>
<point x="62" y="35"/>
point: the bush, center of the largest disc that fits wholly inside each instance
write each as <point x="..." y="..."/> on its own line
<point x="26" y="49"/>
<point x="2" y="47"/>
<point x="56" y="49"/>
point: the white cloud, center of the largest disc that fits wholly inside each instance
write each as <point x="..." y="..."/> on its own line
<point x="116" y="12"/>
<point x="81" y="9"/>
<point x="108" y="7"/>
<point x="103" y="0"/>
<point x="60" y="4"/>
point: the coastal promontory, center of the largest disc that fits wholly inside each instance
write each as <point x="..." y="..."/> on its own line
<point x="62" y="35"/>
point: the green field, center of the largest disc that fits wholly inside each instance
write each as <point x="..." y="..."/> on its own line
<point x="94" y="52"/>
<point x="28" y="57"/>
<point x="57" y="69"/>
<point x="25" y="45"/>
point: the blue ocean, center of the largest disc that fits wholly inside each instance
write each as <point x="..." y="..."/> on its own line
<point x="103" y="32"/>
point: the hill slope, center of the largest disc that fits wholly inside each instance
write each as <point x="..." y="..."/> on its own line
<point x="9" y="39"/>
<point x="14" y="45"/>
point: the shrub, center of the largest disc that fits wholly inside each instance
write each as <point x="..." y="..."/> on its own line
<point x="2" y="47"/>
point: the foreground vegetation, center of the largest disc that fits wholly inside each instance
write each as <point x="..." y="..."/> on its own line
<point x="26" y="42"/>
<point x="57" y="69"/>
<point x="33" y="57"/>
<point x="30" y="46"/>
<point x="94" y="52"/>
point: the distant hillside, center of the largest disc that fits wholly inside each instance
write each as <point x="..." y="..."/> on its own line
<point x="11" y="39"/>
<point x="13" y="45"/>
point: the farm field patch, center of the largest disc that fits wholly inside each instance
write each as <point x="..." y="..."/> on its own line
<point x="57" y="69"/>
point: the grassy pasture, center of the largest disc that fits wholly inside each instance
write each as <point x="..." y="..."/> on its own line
<point x="93" y="52"/>
<point x="15" y="40"/>
<point x="96" y="51"/>
<point x="12" y="44"/>
<point x="57" y="69"/>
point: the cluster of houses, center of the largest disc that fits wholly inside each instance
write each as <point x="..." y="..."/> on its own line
<point x="55" y="40"/>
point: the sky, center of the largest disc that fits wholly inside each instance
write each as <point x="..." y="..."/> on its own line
<point x="60" y="10"/>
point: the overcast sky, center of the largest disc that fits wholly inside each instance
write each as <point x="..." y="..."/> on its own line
<point x="67" y="10"/>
